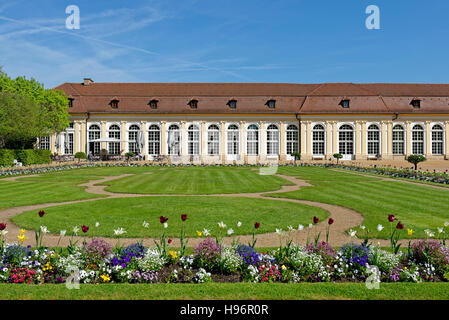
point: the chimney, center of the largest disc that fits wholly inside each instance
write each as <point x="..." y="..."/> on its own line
<point x="88" y="81"/>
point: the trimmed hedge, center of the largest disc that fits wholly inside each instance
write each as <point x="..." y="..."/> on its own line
<point x="27" y="157"/>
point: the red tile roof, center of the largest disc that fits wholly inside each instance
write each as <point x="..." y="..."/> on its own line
<point x="252" y="97"/>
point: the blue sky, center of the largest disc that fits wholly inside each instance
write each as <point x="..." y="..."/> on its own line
<point x="226" y="41"/>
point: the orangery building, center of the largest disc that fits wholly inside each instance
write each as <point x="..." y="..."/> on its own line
<point x="254" y="122"/>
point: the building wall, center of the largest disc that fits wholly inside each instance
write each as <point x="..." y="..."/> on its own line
<point x="364" y="140"/>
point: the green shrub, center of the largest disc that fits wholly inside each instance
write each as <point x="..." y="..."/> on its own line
<point x="80" y="155"/>
<point x="415" y="159"/>
<point x="42" y="156"/>
<point x="7" y="157"/>
<point x="338" y="156"/>
<point x="27" y="157"/>
<point x="297" y="155"/>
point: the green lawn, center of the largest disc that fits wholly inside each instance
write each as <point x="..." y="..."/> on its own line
<point x="418" y="207"/>
<point x="228" y="291"/>
<point x="202" y="212"/>
<point x="197" y="180"/>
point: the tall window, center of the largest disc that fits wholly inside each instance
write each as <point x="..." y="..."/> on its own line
<point x="373" y="140"/>
<point x="233" y="139"/>
<point x="213" y="140"/>
<point x="114" y="133"/>
<point x="398" y="140"/>
<point x="94" y="134"/>
<point x="193" y="140"/>
<point x="68" y="142"/>
<point x="417" y="139"/>
<point x="174" y="140"/>
<point x="292" y="139"/>
<point x="272" y="140"/>
<point x="437" y="140"/>
<point x="346" y="140"/>
<point x="154" y="140"/>
<point x="318" y="140"/>
<point x="252" y="145"/>
<point x="44" y="143"/>
<point x="133" y="143"/>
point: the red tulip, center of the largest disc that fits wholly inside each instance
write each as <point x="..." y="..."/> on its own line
<point x="2" y="226"/>
<point x="183" y="217"/>
<point x="41" y="213"/>
<point x="163" y="219"/>
<point x="330" y="221"/>
<point x="315" y="220"/>
<point x="400" y="226"/>
<point x="84" y="228"/>
<point x="169" y="241"/>
<point x="391" y="218"/>
<point x="256" y="225"/>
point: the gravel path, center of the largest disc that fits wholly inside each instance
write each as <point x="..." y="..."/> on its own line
<point x="344" y="219"/>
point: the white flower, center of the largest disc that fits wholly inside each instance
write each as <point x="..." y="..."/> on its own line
<point x="230" y="231"/>
<point x="76" y="230"/>
<point x="221" y="225"/>
<point x="145" y="224"/>
<point x="44" y="229"/>
<point x="380" y="227"/>
<point x="119" y="231"/>
<point x="310" y="225"/>
<point x="3" y="232"/>
<point x="290" y="228"/>
<point x="362" y="227"/>
<point x="62" y="233"/>
<point x="446" y="224"/>
<point x="239" y="224"/>
<point x="440" y="230"/>
<point x="97" y="224"/>
<point x="352" y="233"/>
<point x="165" y="225"/>
<point x="431" y="234"/>
<point x="206" y="232"/>
<point x="279" y="231"/>
<point x="300" y="227"/>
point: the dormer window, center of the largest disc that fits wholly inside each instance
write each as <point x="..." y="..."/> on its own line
<point x="232" y="104"/>
<point x="114" y="103"/>
<point x="271" y="104"/>
<point x="193" y="104"/>
<point x="345" y="103"/>
<point x="153" y="104"/>
<point x="416" y="103"/>
<point x="71" y="102"/>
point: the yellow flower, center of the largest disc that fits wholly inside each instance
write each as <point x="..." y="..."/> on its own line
<point x="199" y="233"/>
<point x="173" y="254"/>
<point x="405" y="268"/>
<point x="22" y="238"/>
<point x="283" y="267"/>
<point x="409" y="232"/>
<point x="22" y="231"/>
<point x="105" y="277"/>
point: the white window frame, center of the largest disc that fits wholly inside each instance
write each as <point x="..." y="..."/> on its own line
<point x="213" y="139"/>
<point x="252" y="141"/>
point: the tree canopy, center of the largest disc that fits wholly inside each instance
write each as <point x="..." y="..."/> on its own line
<point x="29" y="111"/>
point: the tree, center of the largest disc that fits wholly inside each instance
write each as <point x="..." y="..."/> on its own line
<point x="80" y="155"/>
<point x="19" y="121"/>
<point x="415" y="159"/>
<point x="48" y="107"/>
<point x="338" y="156"/>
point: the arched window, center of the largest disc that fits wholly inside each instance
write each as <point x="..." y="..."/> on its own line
<point x="437" y="140"/>
<point x="373" y="140"/>
<point x="417" y="139"/>
<point x="233" y="139"/>
<point x="133" y="143"/>
<point x="318" y="140"/>
<point x="44" y="143"/>
<point x="292" y="139"/>
<point x="174" y="140"/>
<point x="252" y="140"/>
<point x="398" y="140"/>
<point x="193" y="140"/>
<point x="154" y="140"/>
<point x="69" y="135"/>
<point x="272" y="140"/>
<point x="213" y="140"/>
<point x="346" y="140"/>
<point x="114" y="133"/>
<point x="94" y="134"/>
